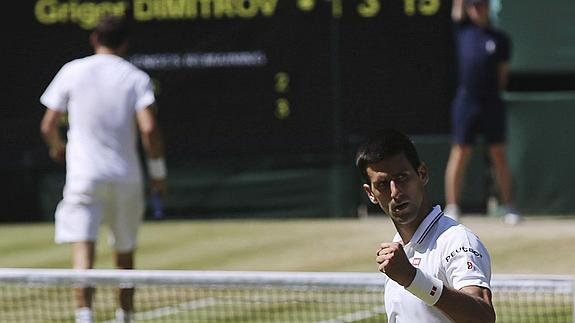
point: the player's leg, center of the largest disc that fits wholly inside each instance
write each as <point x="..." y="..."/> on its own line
<point x="503" y="178"/>
<point x="501" y="170"/>
<point x="125" y="260"/>
<point x="463" y="132"/>
<point x="495" y="134"/>
<point x="454" y="177"/>
<point x="124" y="227"/>
<point x="84" y="253"/>
<point x="77" y="221"/>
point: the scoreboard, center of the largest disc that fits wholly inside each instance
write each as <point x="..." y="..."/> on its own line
<point x="265" y="76"/>
<point x="238" y="78"/>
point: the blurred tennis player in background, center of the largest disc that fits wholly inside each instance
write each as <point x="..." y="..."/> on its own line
<point x="107" y="100"/>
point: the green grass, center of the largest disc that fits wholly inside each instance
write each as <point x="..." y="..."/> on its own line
<point x="299" y="245"/>
<point x="230" y="304"/>
<point x="198" y="305"/>
<point x="539" y="245"/>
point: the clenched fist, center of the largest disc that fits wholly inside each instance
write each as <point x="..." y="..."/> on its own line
<point x="394" y="263"/>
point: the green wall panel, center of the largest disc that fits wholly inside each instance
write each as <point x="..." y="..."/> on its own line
<point x="541" y="151"/>
<point x="542" y="34"/>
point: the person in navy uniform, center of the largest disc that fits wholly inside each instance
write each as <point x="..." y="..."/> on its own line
<point x="484" y="54"/>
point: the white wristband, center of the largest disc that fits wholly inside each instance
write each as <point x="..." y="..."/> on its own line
<point x="157" y="168"/>
<point x="426" y="287"/>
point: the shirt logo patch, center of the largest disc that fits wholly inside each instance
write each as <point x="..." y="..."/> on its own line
<point x="433" y="291"/>
<point x="490" y="46"/>
<point x="415" y="262"/>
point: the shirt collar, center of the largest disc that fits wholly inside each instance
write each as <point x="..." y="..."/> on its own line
<point x="424" y="228"/>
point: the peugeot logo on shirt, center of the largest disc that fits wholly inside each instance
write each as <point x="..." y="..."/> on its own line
<point x="464" y="250"/>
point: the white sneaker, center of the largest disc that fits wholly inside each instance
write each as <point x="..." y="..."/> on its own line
<point x="124" y="316"/>
<point x="84" y="315"/>
<point x="452" y="211"/>
<point x="512" y="218"/>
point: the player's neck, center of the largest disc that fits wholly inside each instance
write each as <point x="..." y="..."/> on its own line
<point x="118" y="51"/>
<point x="101" y="50"/>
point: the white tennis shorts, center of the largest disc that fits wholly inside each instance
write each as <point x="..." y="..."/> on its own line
<point x="89" y="204"/>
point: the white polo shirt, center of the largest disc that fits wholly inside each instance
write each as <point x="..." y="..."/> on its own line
<point x="446" y="249"/>
<point x="101" y="94"/>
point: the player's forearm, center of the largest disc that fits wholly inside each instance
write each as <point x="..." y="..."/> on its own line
<point x="151" y="136"/>
<point x="53" y="139"/>
<point x="50" y="131"/>
<point x="154" y="147"/>
<point x="153" y="143"/>
<point x="463" y="307"/>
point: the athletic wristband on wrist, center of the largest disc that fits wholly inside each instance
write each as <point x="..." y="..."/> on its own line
<point x="157" y="168"/>
<point x="426" y="287"/>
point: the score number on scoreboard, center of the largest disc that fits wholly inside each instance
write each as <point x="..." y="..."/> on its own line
<point x="371" y="8"/>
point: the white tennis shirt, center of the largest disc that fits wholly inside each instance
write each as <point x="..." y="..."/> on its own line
<point x="447" y="250"/>
<point x="101" y="94"/>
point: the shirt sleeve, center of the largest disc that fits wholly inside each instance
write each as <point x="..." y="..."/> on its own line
<point x="144" y="92"/>
<point x="57" y="93"/>
<point x="465" y="260"/>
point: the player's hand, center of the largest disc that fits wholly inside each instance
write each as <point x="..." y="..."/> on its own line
<point x="58" y="153"/>
<point x="158" y="186"/>
<point x="394" y="263"/>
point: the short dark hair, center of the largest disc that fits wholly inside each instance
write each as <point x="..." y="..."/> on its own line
<point x="111" y="31"/>
<point x="383" y="144"/>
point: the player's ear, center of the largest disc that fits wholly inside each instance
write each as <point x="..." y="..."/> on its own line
<point x="369" y="192"/>
<point x="423" y="173"/>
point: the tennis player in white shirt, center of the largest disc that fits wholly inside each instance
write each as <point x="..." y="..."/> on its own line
<point x="108" y="101"/>
<point x="436" y="269"/>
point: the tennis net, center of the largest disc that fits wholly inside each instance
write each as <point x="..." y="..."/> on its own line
<point x="46" y="295"/>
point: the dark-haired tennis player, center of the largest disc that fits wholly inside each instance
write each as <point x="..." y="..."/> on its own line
<point x="437" y="270"/>
<point x="108" y="100"/>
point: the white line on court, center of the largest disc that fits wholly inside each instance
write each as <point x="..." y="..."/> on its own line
<point x="356" y="316"/>
<point x="170" y="310"/>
